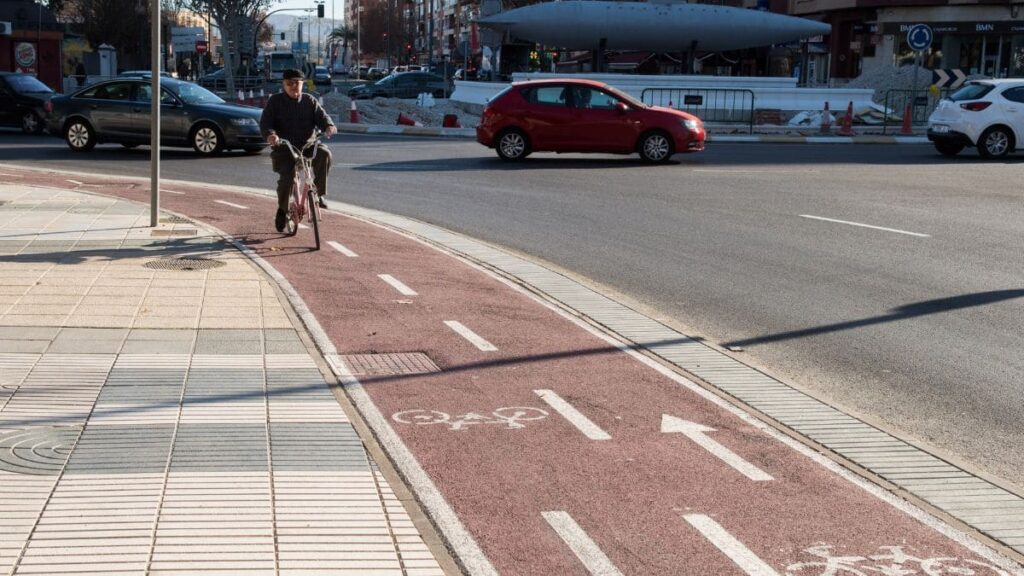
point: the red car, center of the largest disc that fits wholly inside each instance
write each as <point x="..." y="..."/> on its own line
<point x="583" y="116"/>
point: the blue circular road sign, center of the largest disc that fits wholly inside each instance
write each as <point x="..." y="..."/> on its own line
<point x="919" y="37"/>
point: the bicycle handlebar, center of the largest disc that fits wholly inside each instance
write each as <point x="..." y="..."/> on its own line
<point x="311" y="143"/>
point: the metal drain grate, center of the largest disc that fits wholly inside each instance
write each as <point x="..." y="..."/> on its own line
<point x="185" y="263"/>
<point x="37" y="451"/>
<point x="390" y="364"/>
<point x="175" y="220"/>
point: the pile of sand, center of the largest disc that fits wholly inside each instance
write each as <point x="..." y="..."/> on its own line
<point x="386" y="110"/>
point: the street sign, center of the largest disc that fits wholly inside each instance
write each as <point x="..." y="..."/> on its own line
<point x="202" y="46"/>
<point x="919" y="37"/>
<point x="951" y="78"/>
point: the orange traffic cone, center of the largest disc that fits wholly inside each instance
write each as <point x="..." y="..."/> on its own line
<point x="353" y="115"/>
<point x="406" y="121"/>
<point x="451" y="121"/>
<point x="847" y="128"/>
<point x="908" y="117"/>
<point x="826" y="120"/>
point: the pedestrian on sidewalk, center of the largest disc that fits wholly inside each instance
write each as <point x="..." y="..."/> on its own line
<point x="292" y="115"/>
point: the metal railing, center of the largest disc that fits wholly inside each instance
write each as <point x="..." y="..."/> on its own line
<point x="708" y="104"/>
<point x="921" y="102"/>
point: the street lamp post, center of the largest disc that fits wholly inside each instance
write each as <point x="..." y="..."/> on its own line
<point x="359" y="36"/>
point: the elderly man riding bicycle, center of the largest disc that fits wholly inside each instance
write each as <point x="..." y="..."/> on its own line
<point x="293" y="116"/>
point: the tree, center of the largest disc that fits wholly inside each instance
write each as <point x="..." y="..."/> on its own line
<point x="236" y="19"/>
<point x="341" y="34"/>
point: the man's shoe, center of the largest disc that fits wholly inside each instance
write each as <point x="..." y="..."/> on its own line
<point x="280" y="220"/>
<point x="320" y="202"/>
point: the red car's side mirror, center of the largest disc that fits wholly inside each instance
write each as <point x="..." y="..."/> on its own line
<point x="621" y="107"/>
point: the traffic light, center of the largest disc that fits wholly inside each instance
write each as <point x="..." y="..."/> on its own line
<point x="319" y="10"/>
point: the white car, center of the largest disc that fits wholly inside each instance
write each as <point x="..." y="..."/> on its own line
<point x="987" y="114"/>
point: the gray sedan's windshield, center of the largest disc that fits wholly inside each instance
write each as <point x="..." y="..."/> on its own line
<point x="194" y="94"/>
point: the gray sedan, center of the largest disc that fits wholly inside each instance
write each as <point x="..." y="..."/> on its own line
<point x="190" y="115"/>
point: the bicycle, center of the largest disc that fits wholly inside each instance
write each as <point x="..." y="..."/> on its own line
<point x="305" y="198"/>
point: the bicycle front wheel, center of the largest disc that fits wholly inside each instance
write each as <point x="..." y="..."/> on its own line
<point x="294" y="211"/>
<point x="314" y="215"/>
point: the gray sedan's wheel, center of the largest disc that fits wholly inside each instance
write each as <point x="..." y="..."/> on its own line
<point x="31" y="124"/>
<point x="655" y="147"/>
<point x="995" y="142"/>
<point x="206" y="140"/>
<point x="512" y="145"/>
<point x="79" y="136"/>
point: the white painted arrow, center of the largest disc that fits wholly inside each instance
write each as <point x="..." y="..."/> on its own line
<point x="697" y="433"/>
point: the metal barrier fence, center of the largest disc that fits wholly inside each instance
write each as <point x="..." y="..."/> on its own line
<point x="922" y="103"/>
<point x="708" y="104"/>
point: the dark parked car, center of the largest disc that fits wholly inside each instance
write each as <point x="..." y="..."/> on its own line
<point x="216" y="81"/>
<point x="321" y="77"/>
<point x="403" y="85"/>
<point x="190" y="115"/>
<point x="584" y="116"/>
<point x="141" y="74"/>
<point x="24" y="102"/>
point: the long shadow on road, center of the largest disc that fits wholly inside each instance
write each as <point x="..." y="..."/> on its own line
<point x="904" y="312"/>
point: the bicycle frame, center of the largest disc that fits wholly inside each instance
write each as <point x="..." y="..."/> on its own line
<point x="304" y="196"/>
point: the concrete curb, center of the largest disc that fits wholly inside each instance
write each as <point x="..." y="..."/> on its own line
<point x="470" y="134"/>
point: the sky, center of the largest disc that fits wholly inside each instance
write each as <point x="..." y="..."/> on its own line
<point x="339" y="7"/>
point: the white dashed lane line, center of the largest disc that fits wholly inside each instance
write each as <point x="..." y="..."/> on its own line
<point x="581" y="545"/>
<point x="172" y="192"/>
<point x="397" y="285"/>
<point x="471" y="336"/>
<point x="342" y="249"/>
<point x="75" y="182"/>
<point x="232" y="204"/>
<point x="574" y="416"/>
<point x="882" y="228"/>
<point x="730" y="546"/>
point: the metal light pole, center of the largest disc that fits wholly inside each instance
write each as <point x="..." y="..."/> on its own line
<point x="359" y="36"/>
<point x="154" y="117"/>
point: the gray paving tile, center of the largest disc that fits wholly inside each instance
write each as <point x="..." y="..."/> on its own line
<point x="157" y="347"/>
<point x="36" y="346"/>
<point x="143" y="334"/>
<point x="228" y="347"/>
<point x="286" y="347"/>
<point x="28" y="332"/>
<point x="84" y="346"/>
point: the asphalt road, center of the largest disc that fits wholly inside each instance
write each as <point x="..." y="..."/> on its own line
<point x="739" y="245"/>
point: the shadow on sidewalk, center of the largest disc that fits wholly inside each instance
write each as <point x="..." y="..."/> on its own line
<point x="100" y="412"/>
<point x="199" y="246"/>
<point x="904" y="312"/>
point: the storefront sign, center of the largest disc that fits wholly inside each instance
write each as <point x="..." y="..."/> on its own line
<point x="967" y="28"/>
<point x="25" y="57"/>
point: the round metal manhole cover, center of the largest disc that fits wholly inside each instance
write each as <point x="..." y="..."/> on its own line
<point x="186" y="263"/>
<point x="37" y="451"/>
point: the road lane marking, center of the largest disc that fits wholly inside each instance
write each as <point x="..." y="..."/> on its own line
<point x="697" y="433"/>
<point x="232" y="204"/>
<point x="303" y="227"/>
<point x="342" y="249"/>
<point x="172" y="192"/>
<point x="574" y="416"/>
<point x="894" y="230"/>
<point x="732" y="171"/>
<point x="397" y="285"/>
<point x="730" y="546"/>
<point x="470" y="335"/>
<point x="75" y="182"/>
<point x="581" y="545"/>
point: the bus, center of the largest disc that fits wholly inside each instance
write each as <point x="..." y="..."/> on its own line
<point x="278" y="62"/>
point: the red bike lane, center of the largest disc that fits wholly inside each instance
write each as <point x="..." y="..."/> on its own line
<point x="559" y="452"/>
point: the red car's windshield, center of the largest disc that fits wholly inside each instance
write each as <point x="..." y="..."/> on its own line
<point x="625" y="97"/>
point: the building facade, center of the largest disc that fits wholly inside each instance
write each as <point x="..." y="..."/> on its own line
<point x="31" y="41"/>
<point x="978" y="37"/>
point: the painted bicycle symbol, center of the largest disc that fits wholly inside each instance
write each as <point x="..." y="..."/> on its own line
<point x="894" y="561"/>
<point x="511" y="417"/>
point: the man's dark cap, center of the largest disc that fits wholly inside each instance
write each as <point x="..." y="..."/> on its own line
<point x="292" y="73"/>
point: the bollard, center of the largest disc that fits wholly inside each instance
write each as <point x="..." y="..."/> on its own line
<point x="450" y="121"/>
<point x="826" y="120"/>
<point x="353" y="115"/>
<point x="241" y="97"/>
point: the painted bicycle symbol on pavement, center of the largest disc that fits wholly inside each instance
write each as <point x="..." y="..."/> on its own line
<point x="512" y="417"/>
<point x="893" y="561"/>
